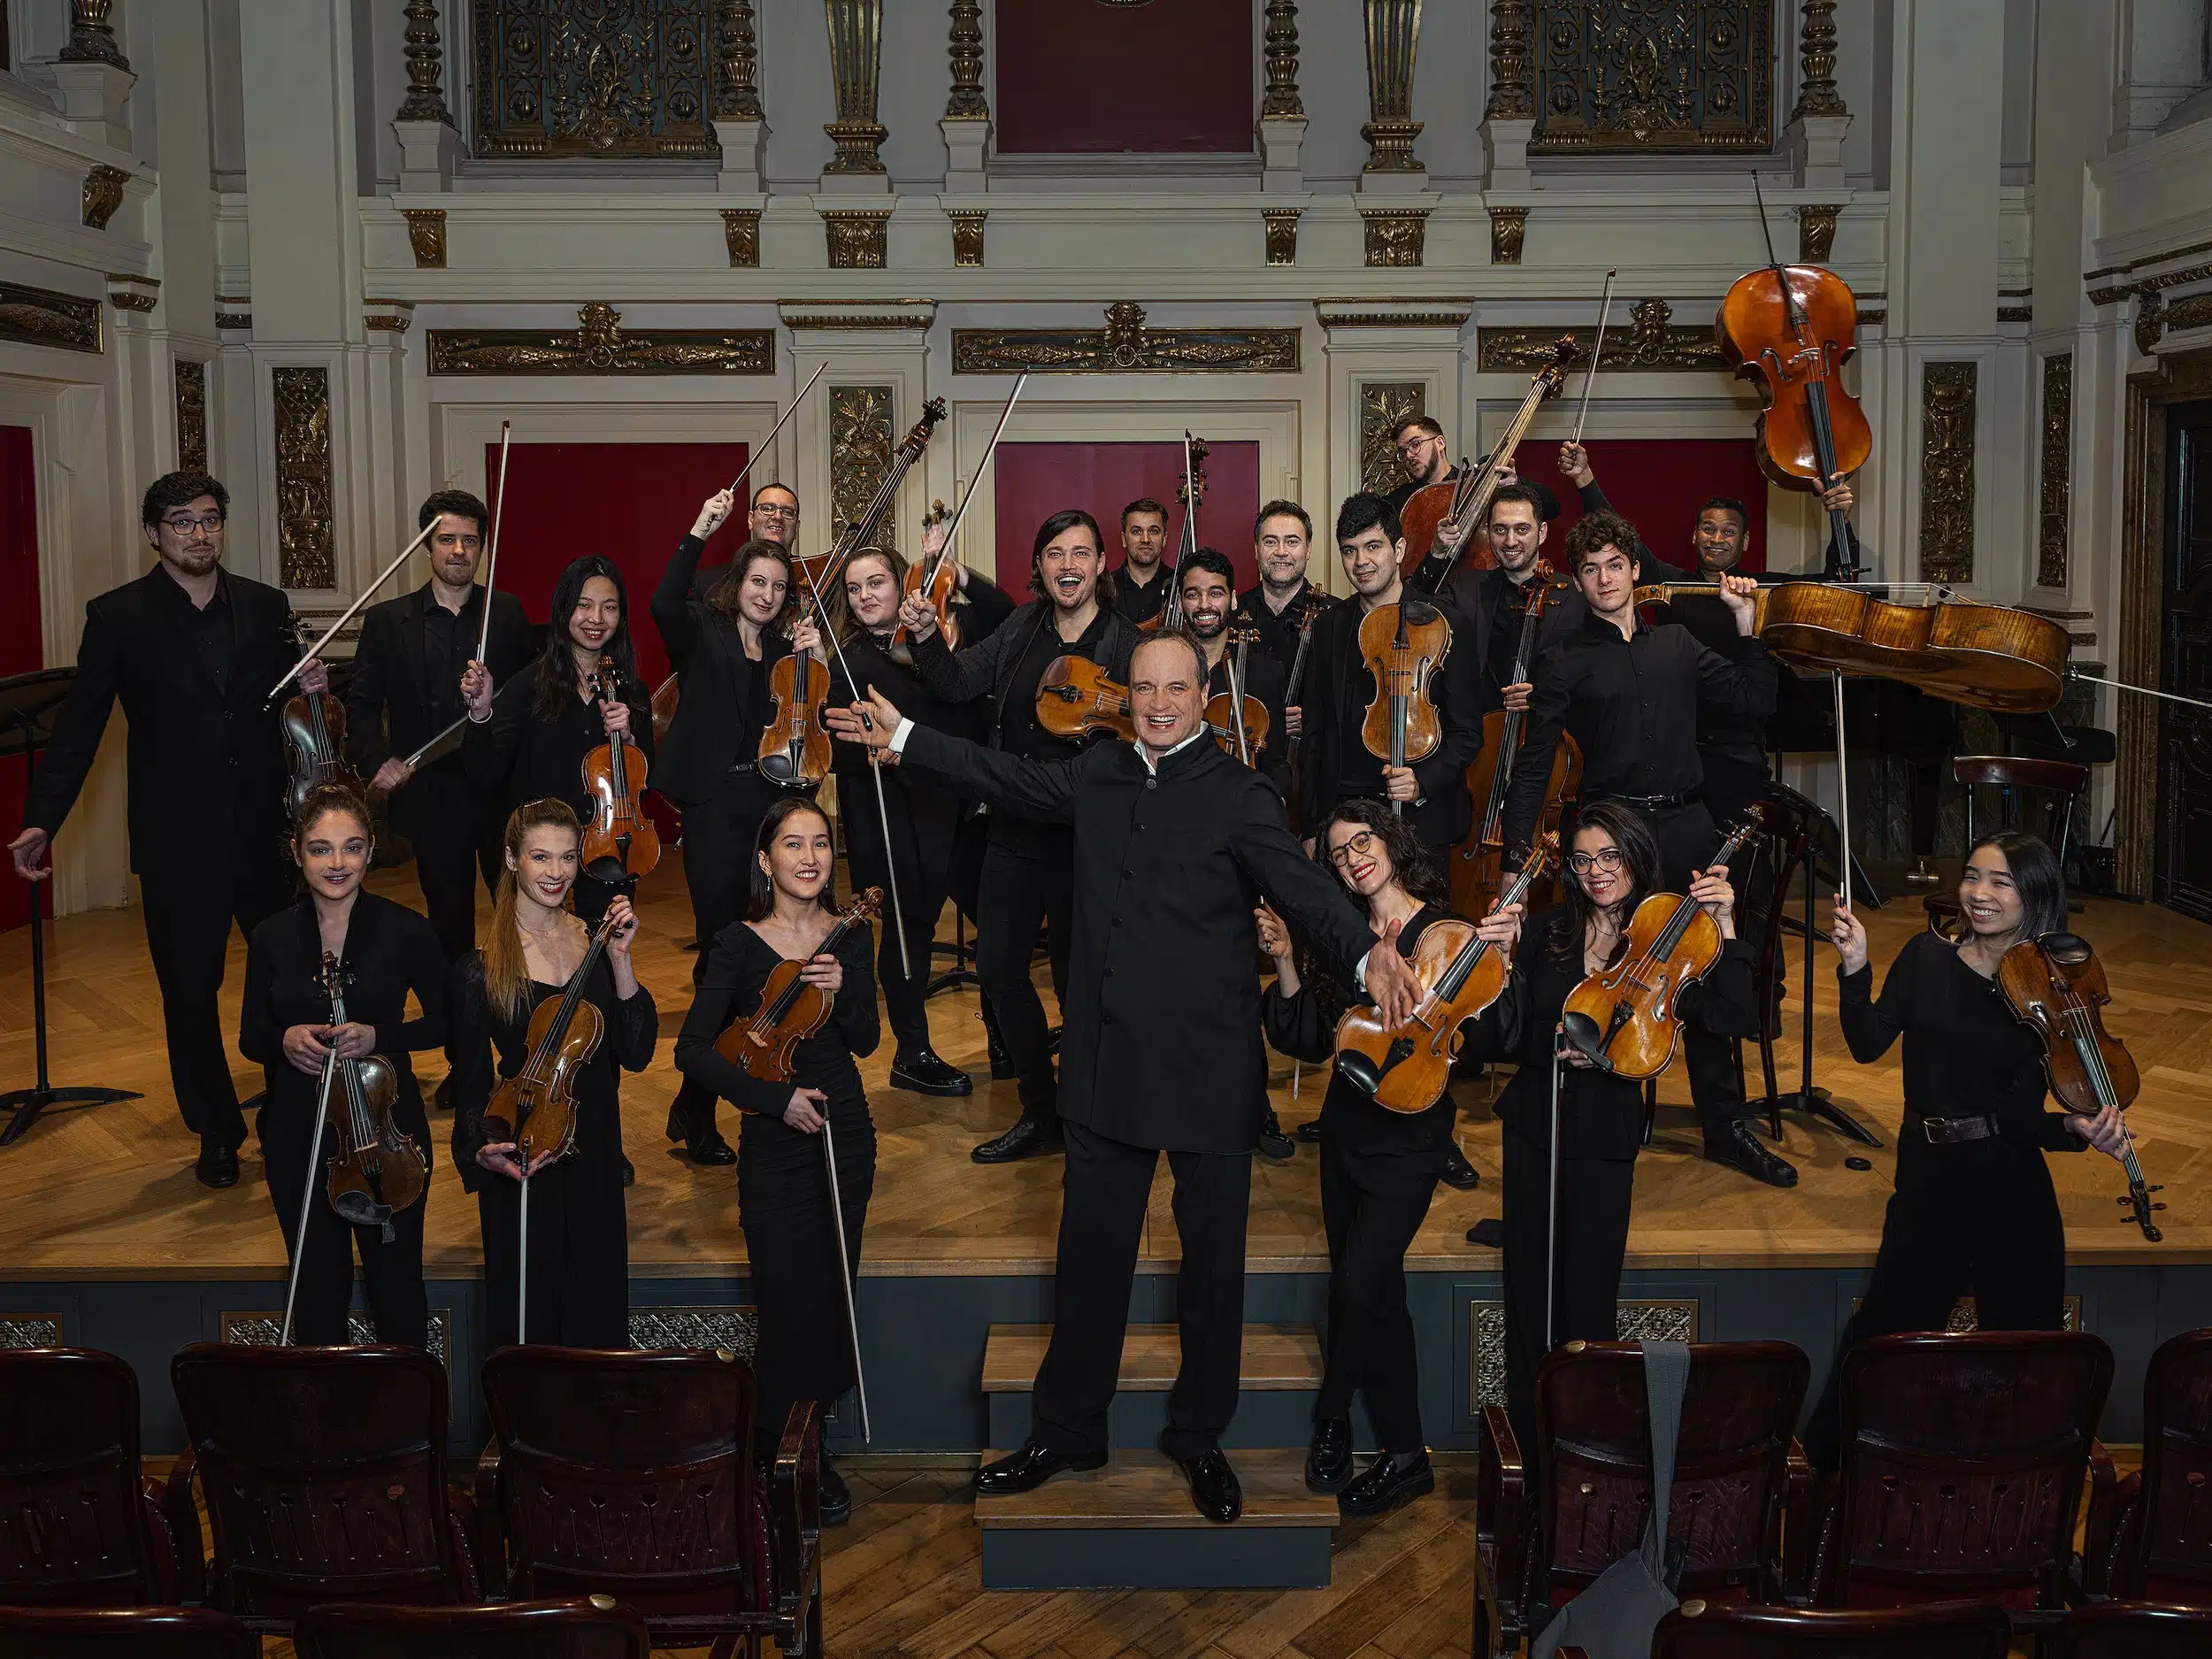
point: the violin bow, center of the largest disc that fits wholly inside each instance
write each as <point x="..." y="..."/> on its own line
<point x="367" y="593"/>
<point x="307" y="1199"/>
<point x="491" y="560"/>
<point x="845" y="1270"/>
<point x="1590" y="380"/>
<point x="952" y="530"/>
<point x="2141" y="691"/>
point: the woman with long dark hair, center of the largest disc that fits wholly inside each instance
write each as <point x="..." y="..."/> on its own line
<point x="1378" y="1168"/>
<point x="725" y="635"/>
<point x="1974" y="1208"/>
<point x="384" y="951"/>
<point x="580" y="1239"/>
<point x="805" y="1350"/>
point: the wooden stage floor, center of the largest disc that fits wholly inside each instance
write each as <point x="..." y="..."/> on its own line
<point x="108" y="1192"/>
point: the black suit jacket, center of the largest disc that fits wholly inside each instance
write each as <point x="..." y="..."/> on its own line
<point x="385" y="711"/>
<point x="716" y="723"/>
<point x="1163" y="1042"/>
<point x="207" y="768"/>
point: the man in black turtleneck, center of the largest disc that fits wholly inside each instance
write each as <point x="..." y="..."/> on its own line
<point x="1142" y="584"/>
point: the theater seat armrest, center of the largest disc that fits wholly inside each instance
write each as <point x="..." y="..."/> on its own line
<point x="795" y="1515"/>
<point x="1501" y="1487"/>
<point x="460" y="1509"/>
<point x="1797" y="1523"/>
<point x="183" y="1518"/>
<point x="1824" y="1504"/>
<point x="2113" y="1522"/>
<point x="487" y="1536"/>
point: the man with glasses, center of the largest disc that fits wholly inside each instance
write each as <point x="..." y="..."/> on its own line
<point x="775" y="516"/>
<point x="192" y="650"/>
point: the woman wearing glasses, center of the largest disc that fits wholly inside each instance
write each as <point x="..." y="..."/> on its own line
<point x="1378" y="1168"/>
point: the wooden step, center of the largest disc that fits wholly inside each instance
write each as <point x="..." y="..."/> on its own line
<point x="1277" y="1358"/>
<point x="1131" y="1526"/>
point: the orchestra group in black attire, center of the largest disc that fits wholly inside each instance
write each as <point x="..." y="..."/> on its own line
<point x="1157" y="872"/>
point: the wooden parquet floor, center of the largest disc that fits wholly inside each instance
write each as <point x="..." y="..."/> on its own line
<point x="108" y="1192"/>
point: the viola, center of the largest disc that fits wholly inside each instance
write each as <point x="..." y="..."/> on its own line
<point x="1466" y="498"/>
<point x="1479" y="866"/>
<point x="820" y="573"/>
<point x="1076" y="697"/>
<point x="1404" y="645"/>
<point x="794" y="745"/>
<point x="1190" y="490"/>
<point x="937" y="581"/>
<point x="614" y="777"/>
<point x="1405" y="1068"/>
<point x="1623" y="1016"/>
<point x="2057" y="987"/>
<point x="539" y="1102"/>
<point x="314" y="725"/>
<point x="766" y="1045"/>
<point x="376" y="1170"/>
<point x="1239" y="721"/>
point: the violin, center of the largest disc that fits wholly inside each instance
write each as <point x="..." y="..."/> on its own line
<point x="540" y="1100"/>
<point x="614" y="777"/>
<point x="936" y="581"/>
<point x="820" y="573"/>
<point x="1404" y="645"/>
<point x="1466" y="498"/>
<point x="1623" y="1016"/>
<point x="1239" y="721"/>
<point x="1076" y="698"/>
<point x="1479" y="867"/>
<point x="2056" y="986"/>
<point x="314" y="725"/>
<point x="1190" y="490"/>
<point x="765" y="1046"/>
<point x="1790" y="329"/>
<point x="794" y="745"/>
<point x="376" y="1170"/>
<point x="1405" y="1068"/>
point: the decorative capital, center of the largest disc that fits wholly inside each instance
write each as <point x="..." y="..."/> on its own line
<point x="426" y="234"/>
<point x="103" y="193"/>
<point x="736" y="63"/>
<point x="965" y="102"/>
<point x="741" y="232"/>
<point x="1509" y="227"/>
<point x="1282" y="233"/>
<point x="425" y="100"/>
<point x="128" y="293"/>
<point x="856" y="43"/>
<point x="1281" y="102"/>
<point x="1816" y="234"/>
<point x="91" y="36"/>
<point x="1396" y="236"/>
<point x="1393" y="33"/>
<point x="1817" y="93"/>
<point x="1512" y="62"/>
<point x="859" y="238"/>
<point x="967" y="235"/>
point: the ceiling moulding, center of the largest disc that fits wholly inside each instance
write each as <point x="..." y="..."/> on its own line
<point x="600" y="345"/>
<point x="856" y="314"/>
<point x="1393" y="313"/>
<point x="1125" y="345"/>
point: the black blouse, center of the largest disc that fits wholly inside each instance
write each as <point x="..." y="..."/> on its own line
<point x="389" y="951"/>
<point x="730" y="989"/>
<point x="1601" y="1116"/>
<point x="515" y="756"/>
<point x="632" y="1027"/>
<point x="1966" y="1053"/>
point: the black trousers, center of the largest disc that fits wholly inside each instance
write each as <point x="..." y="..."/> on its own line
<point x="454" y="844"/>
<point x="1980" y="1217"/>
<point x="1372" y="1207"/>
<point x="580" y="1253"/>
<point x="924" y="824"/>
<point x="189" y="918"/>
<point x="391" y="1273"/>
<point x="1026" y="886"/>
<point x="1104" y="1195"/>
<point x="719" y="836"/>
<point x="1594" y="1198"/>
<point x="1687" y="841"/>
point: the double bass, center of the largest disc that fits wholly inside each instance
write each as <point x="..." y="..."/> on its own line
<point x="765" y="1045"/>
<point x="614" y="777"/>
<point x="1190" y="490"/>
<point x="1466" y="499"/>
<point x="376" y="1170"/>
<point x="314" y="726"/>
<point x="1402" y="645"/>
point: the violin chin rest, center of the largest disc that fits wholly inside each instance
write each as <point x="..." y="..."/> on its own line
<point x="1358" y="1070"/>
<point x="608" y="868"/>
<point x="2067" y="948"/>
<point x="1583" y="1033"/>
<point x="361" y="1211"/>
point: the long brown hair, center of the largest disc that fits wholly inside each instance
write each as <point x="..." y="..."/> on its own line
<point x="721" y="598"/>
<point x="506" y="970"/>
<point x="847" y="625"/>
<point x="1639" y="857"/>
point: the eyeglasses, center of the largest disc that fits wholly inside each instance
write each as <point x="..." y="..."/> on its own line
<point x="1358" y="847"/>
<point x="209" y="522"/>
<point x="1608" y="858"/>
<point x="791" y="513"/>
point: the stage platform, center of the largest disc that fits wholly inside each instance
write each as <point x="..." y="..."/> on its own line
<point x="106" y="1241"/>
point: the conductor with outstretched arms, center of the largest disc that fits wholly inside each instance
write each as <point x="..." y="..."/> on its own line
<point x="1175" y="840"/>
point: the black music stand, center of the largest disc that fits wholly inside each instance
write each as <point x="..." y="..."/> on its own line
<point x="1823" y="856"/>
<point x="27" y="706"/>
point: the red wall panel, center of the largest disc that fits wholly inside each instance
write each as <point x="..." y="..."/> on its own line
<point x="21" y="648"/>
<point x="632" y="501"/>
<point x="1032" y="481"/>
<point x="1658" y="484"/>
<point x="1077" y="77"/>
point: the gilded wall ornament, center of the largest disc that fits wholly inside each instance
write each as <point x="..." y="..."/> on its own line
<point x="1279" y="42"/>
<point x="307" y="544"/>
<point x="1384" y="407"/>
<point x="1508" y="229"/>
<point x="741" y="233"/>
<point x="1124" y="346"/>
<point x="1512" y="61"/>
<point x="1617" y="77"/>
<point x="856" y="46"/>
<point x="859" y="238"/>
<point x="39" y="317"/>
<point x="426" y="99"/>
<point x="1816" y="234"/>
<point x="103" y="193"/>
<point x="967" y="235"/>
<point x="609" y="77"/>
<point x="1653" y="343"/>
<point x="30" y="1330"/>
<point x="964" y="47"/>
<point x="732" y="1332"/>
<point x="2054" y="470"/>
<point x="736" y="65"/>
<point x="1395" y="236"/>
<point x="601" y="345"/>
<point x="262" y="1330"/>
<point x="191" y="415"/>
<point x="2194" y="313"/>
<point x="2150" y="320"/>
<point x="861" y="445"/>
<point x="91" y="36"/>
<point x="1393" y="35"/>
<point x="1656" y="1321"/>
<point x="426" y="236"/>
<point x="1817" y="63"/>
<point x="1947" y="472"/>
<point x="128" y="293"/>
<point x="1282" y="233"/>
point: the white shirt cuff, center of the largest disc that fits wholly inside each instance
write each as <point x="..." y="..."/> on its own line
<point x="899" y="737"/>
<point x="1359" y="972"/>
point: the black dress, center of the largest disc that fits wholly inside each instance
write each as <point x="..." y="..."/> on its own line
<point x="1379" y="1173"/>
<point x="580" y="1242"/>
<point x="783" y="1191"/>
<point x="1601" y="1129"/>
<point x="389" y="951"/>
<point x="1980" y="1215"/>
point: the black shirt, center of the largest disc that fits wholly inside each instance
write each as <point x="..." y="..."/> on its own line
<point x="212" y="627"/>
<point x="448" y="644"/>
<point x="730" y="988"/>
<point x="1279" y="629"/>
<point x="1142" y="603"/>
<point x="1018" y="732"/>
<point x="516" y="757"/>
<point x="1632" y="704"/>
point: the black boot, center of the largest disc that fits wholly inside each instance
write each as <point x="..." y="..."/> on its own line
<point x="922" y="1071"/>
<point x="703" y="1142"/>
<point x="1736" y="1144"/>
<point x="1036" y="1133"/>
<point x="1274" y="1144"/>
<point x="1002" y="1061"/>
<point x="1457" y="1172"/>
<point x="1329" y="1456"/>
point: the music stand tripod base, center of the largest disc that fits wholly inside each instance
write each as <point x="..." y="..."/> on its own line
<point x="1818" y="1103"/>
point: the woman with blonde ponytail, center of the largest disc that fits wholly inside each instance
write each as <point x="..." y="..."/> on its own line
<point x="579" y="1266"/>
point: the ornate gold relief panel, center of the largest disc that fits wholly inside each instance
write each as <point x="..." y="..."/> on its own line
<point x="39" y="317"/>
<point x="1653" y="343"/>
<point x="1617" y="77"/>
<point x="1947" y="472"/>
<point x="2054" y="471"/>
<point x="1124" y="346"/>
<point x="860" y="442"/>
<point x="1669" y="1320"/>
<point x="191" y="414"/>
<point x="594" y="77"/>
<point x="306" y="538"/>
<point x="1384" y="407"/>
<point x="601" y="345"/>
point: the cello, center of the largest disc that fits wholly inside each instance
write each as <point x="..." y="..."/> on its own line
<point x="2057" y="988"/>
<point x="314" y="725"/>
<point x="1402" y="645"/>
<point x="1467" y="497"/>
<point x="614" y="777"/>
<point x="1190" y="490"/>
<point x="820" y="572"/>
<point x="765" y="1045"/>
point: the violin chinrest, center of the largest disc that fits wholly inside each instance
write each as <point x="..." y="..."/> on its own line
<point x="1583" y="1033"/>
<point x="2068" y="949"/>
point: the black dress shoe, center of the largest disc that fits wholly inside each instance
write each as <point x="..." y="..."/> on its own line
<point x="1459" y="1173"/>
<point x="924" y="1073"/>
<point x="1025" y="1139"/>
<point x="837" y="1497"/>
<point x="1273" y="1143"/>
<point x="709" y="1150"/>
<point x="1488" y="1233"/>
<point x="1214" y="1491"/>
<point x="443" y="1097"/>
<point x="1309" y="1132"/>
<point x="217" y="1167"/>
<point x="1329" y="1458"/>
<point x="1386" y="1483"/>
<point x="1737" y="1146"/>
<point x="629" y="1172"/>
<point x="1030" y="1467"/>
